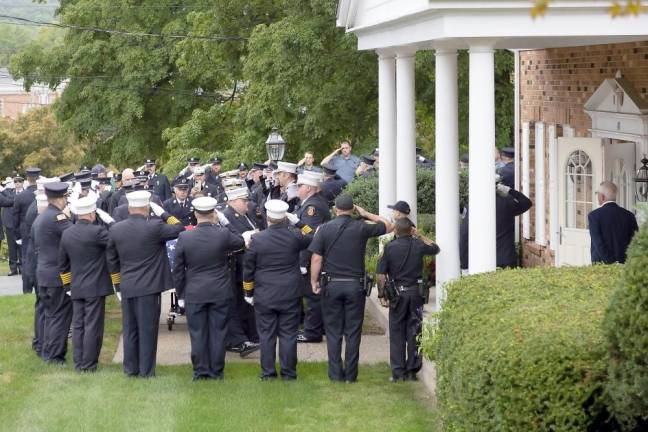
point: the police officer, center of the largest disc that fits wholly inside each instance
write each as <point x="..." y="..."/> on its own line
<point x="203" y="283"/>
<point x="21" y="203"/>
<point x="48" y="229"/>
<point x="180" y="206"/>
<point x="272" y="283"/>
<point x="29" y="271"/>
<point x="332" y="184"/>
<point x="213" y="177"/>
<point x="402" y="262"/>
<point x="507" y="172"/>
<point x="158" y="183"/>
<point x="188" y="171"/>
<point x="7" y="198"/>
<point x="243" y="336"/>
<point x="312" y="211"/>
<point x="139" y="267"/>
<point x="339" y="252"/>
<point x="83" y="267"/>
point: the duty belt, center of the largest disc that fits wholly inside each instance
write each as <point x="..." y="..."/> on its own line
<point x="403" y="288"/>
<point x="342" y="279"/>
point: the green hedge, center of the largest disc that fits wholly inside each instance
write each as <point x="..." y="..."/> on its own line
<point x="365" y="191"/>
<point x="522" y="350"/>
<point x="626" y="327"/>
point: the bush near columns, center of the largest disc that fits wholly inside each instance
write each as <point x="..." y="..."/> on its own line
<point x="626" y="328"/>
<point x="523" y="350"/>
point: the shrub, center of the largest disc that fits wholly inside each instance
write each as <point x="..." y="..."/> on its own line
<point x="522" y="350"/>
<point x="626" y="328"/>
<point x="365" y="191"/>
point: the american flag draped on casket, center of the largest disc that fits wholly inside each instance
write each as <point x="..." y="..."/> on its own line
<point x="171" y="246"/>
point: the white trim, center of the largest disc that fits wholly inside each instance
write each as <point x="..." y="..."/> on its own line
<point x="526" y="225"/>
<point x="568" y="131"/>
<point x="516" y="135"/>
<point x="554" y="227"/>
<point x="540" y="217"/>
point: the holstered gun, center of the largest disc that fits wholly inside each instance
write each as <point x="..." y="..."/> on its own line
<point x="324" y="279"/>
<point x="391" y="293"/>
<point x="424" y="290"/>
<point x="367" y="284"/>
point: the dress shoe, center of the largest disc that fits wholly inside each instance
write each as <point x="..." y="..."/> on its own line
<point x="13" y="273"/>
<point x="303" y="339"/>
<point x="410" y="377"/>
<point x="268" y="377"/>
<point x="249" y="348"/>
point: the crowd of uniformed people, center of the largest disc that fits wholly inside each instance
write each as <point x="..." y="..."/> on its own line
<point x="253" y="255"/>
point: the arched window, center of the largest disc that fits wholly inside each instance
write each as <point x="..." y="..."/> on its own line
<point x="579" y="193"/>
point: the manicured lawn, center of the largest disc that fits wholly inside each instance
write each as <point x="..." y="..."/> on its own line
<point x="40" y="397"/>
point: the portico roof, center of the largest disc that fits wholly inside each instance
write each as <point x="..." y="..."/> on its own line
<point x="507" y="24"/>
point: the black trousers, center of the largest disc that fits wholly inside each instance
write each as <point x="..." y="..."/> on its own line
<point x="28" y="281"/>
<point x="405" y="318"/>
<point x="207" y="324"/>
<point x="313" y="323"/>
<point x="39" y="323"/>
<point x="87" y="332"/>
<point x="140" y="322"/>
<point x="13" y="249"/>
<point x="235" y="334"/>
<point x="57" y="311"/>
<point x="343" y="311"/>
<point x="280" y="321"/>
<point x="245" y="313"/>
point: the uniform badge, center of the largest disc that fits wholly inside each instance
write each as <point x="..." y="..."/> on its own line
<point x="310" y="211"/>
<point x="60" y="217"/>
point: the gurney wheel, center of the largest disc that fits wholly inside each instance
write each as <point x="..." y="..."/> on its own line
<point x="170" y="323"/>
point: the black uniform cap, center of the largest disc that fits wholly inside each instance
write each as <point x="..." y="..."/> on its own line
<point x="18" y="177"/>
<point x="149" y="162"/>
<point x="85" y="183"/>
<point x="215" y="160"/>
<point x="104" y="180"/>
<point x="242" y="167"/>
<point x="182" y="183"/>
<point x="55" y="189"/>
<point x="508" y="152"/>
<point x="193" y="160"/>
<point x="328" y="169"/>
<point x="400" y="206"/>
<point x="259" y="166"/>
<point x="83" y="175"/>
<point x="344" y="202"/>
<point x="67" y="177"/>
<point x="117" y="177"/>
<point x="33" y="172"/>
<point x="140" y="174"/>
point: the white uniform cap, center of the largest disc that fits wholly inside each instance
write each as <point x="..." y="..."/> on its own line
<point x="231" y="181"/>
<point x="84" y="205"/>
<point x="237" y="193"/>
<point x="41" y="200"/>
<point x="199" y="170"/>
<point x="138" y="198"/>
<point x="306" y="178"/>
<point x="276" y="209"/>
<point x="286" y="167"/>
<point x="204" y="204"/>
<point x="41" y="181"/>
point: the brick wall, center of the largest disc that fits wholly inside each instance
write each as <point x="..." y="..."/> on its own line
<point x="554" y="86"/>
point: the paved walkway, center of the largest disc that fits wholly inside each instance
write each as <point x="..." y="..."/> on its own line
<point x="10" y="285"/>
<point x="174" y="346"/>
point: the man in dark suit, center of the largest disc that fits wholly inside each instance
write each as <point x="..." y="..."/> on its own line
<point x="7" y="197"/>
<point x="139" y="267"/>
<point x="203" y="283"/>
<point x="611" y="227"/>
<point x="83" y="267"/>
<point x="22" y="202"/>
<point x="180" y="205"/>
<point x="159" y="183"/>
<point x="509" y="203"/>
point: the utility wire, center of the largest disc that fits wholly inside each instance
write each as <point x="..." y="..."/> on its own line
<point x="29" y="22"/>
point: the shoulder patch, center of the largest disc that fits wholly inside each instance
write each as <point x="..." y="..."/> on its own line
<point x="60" y="217"/>
<point x="310" y="211"/>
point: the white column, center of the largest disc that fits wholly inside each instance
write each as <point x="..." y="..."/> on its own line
<point x="481" y="182"/>
<point x="553" y="188"/>
<point x="526" y="187"/>
<point x="516" y="129"/>
<point x="446" y="172"/>
<point x="406" y="130"/>
<point x="540" y="217"/>
<point x="386" y="132"/>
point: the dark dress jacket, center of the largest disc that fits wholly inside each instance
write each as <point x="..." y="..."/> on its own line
<point x="611" y="229"/>
<point x="137" y="252"/>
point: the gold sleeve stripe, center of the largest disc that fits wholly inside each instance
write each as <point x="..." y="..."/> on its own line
<point x="66" y="278"/>
<point x="248" y="286"/>
<point x="306" y="229"/>
<point x="172" y="220"/>
<point x="116" y="278"/>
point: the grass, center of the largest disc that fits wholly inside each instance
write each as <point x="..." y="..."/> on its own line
<point x="38" y="397"/>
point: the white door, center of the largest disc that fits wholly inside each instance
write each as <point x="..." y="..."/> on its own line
<point x="580" y="171"/>
<point x="619" y="168"/>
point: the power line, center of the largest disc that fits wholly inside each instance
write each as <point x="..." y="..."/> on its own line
<point x="29" y="22"/>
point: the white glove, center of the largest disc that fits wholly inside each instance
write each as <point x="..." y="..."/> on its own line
<point x="502" y="190"/>
<point x="222" y="218"/>
<point x="181" y="303"/>
<point x="2" y="188"/>
<point x="105" y="217"/>
<point x="247" y="236"/>
<point x="156" y="209"/>
<point x="292" y="218"/>
<point x="303" y="270"/>
<point x="19" y="242"/>
<point x="249" y="300"/>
